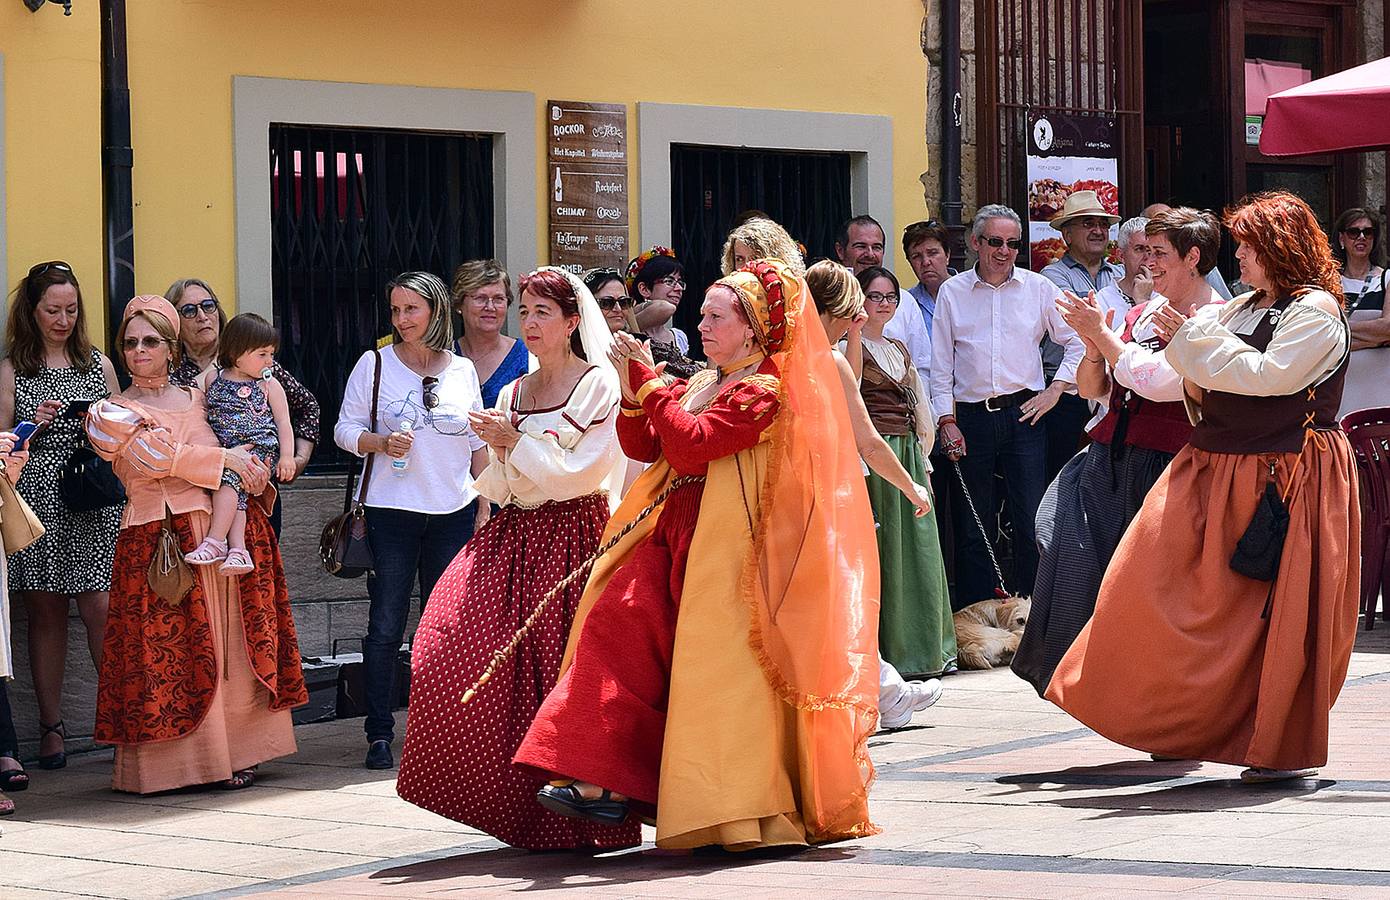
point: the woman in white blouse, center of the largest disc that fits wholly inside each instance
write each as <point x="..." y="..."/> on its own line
<point x="420" y="493"/>
<point x="556" y="469"/>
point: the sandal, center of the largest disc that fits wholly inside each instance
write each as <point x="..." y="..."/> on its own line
<point x="12" y="781"/>
<point x="54" y="760"/>
<point x="6" y="806"/>
<point x="209" y="552"/>
<point x="238" y="563"/>
<point x="239" y="780"/>
<point x="566" y="800"/>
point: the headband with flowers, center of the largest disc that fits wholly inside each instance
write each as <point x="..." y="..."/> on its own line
<point x="634" y="268"/>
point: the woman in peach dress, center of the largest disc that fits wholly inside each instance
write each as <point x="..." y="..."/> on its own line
<point x="195" y="691"/>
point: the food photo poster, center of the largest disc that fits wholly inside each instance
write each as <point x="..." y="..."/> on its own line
<point x="1067" y="153"/>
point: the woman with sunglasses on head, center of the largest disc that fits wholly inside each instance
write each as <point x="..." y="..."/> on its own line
<point x="916" y="633"/>
<point x="482" y="293"/>
<point x="49" y="372"/>
<point x="556" y="470"/>
<point x="193" y="689"/>
<point x="201" y="320"/>
<point x="1357" y="245"/>
<point x="420" y="497"/>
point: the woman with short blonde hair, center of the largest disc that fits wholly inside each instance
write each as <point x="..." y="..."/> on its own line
<point x="760" y="238"/>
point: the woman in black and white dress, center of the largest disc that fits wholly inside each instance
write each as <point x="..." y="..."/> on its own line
<point x="1357" y="243"/>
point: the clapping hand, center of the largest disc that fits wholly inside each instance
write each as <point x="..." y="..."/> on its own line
<point x="1084" y="315"/>
<point x="1167" y="321"/>
<point x="492" y="426"/>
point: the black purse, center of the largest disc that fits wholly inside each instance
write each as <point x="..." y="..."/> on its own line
<point x="1262" y="545"/>
<point x="343" y="547"/>
<point x="87" y="482"/>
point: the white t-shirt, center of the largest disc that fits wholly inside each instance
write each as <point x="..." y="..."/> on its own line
<point x="438" y="478"/>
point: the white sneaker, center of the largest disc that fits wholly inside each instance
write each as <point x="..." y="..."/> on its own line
<point x="915" y="697"/>
<point x="1258" y="775"/>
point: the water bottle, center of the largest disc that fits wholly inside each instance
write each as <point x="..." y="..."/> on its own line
<point x="400" y="464"/>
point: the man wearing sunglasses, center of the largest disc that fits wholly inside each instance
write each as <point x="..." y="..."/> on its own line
<point x="988" y="394"/>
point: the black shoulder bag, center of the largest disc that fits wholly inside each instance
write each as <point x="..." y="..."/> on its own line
<point x="343" y="546"/>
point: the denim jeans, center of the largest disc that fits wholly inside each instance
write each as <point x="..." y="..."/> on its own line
<point x="405" y="546"/>
<point x="998" y="441"/>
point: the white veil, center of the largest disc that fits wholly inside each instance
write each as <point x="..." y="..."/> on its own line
<point x="596" y="339"/>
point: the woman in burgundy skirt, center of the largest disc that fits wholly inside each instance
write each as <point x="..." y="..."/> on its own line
<point x="555" y="468"/>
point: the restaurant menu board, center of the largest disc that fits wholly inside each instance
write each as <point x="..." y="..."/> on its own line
<point x="587" y="184"/>
<point x="1067" y="153"/>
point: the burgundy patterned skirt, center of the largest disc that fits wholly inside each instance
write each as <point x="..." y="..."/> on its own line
<point x="458" y="759"/>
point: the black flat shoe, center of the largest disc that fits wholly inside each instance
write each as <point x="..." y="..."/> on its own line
<point x="567" y="801"/>
<point x="53" y="760"/>
<point x="379" y="756"/>
<point x="12" y="781"/>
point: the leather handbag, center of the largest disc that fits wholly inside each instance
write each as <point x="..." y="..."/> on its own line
<point x="169" y="576"/>
<point x="87" y="482"/>
<point x="19" y="527"/>
<point x="343" y="547"/>
<point x="1261" y="547"/>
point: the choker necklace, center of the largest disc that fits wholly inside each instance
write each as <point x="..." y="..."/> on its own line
<point x="755" y="356"/>
<point x="150" y="382"/>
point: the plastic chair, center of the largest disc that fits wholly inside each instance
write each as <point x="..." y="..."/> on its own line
<point x="1369" y="433"/>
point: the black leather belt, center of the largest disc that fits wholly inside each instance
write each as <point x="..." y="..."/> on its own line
<point x="1003" y="401"/>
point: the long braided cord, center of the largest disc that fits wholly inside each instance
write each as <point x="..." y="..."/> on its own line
<point x="502" y="654"/>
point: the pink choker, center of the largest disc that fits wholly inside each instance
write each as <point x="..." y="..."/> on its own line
<point x="150" y="382"/>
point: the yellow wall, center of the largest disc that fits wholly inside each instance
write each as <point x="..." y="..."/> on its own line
<point x="52" y="152"/>
<point x="818" y="55"/>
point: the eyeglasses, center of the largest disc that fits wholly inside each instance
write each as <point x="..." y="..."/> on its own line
<point x="997" y="242"/>
<point x="149" y="342"/>
<point x="431" y="392"/>
<point x="608" y="303"/>
<point x="190" y="310"/>
<point x="671" y="281"/>
<point x="1359" y="232"/>
<point x="484" y="301"/>
<point x="39" y="269"/>
<point x="876" y="297"/>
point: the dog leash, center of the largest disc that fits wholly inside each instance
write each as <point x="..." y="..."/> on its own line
<point x="1000" y="590"/>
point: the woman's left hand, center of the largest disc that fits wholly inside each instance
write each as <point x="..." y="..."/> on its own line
<point x="1167" y="321"/>
<point x="257" y="476"/>
<point x="921" y="503"/>
<point x="628" y="347"/>
<point x="492" y="426"/>
<point x="14" y="464"/>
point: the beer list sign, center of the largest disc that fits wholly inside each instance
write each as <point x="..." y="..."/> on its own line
<point x="587" y="180"/>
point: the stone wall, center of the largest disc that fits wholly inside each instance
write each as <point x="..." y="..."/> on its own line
<point x="931" y="47"/>
<point x="1371" y="45"/>
<point x="325" y="609"/>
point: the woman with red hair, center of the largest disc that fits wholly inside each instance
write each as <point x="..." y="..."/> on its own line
<point x="555" y="468"/>
<point x="1216" y="636"/>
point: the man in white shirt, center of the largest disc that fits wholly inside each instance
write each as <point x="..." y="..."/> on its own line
<point x="860" y="243"/>
<point x="989" y="394"/>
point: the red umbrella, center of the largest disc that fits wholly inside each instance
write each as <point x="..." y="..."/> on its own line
<point x="1345" y="111"/>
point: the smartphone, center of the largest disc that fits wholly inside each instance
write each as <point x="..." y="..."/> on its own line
<point x="22" y="432"/>
<point x="77" y="409"/>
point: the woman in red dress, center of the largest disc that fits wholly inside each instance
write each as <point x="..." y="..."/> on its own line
<point x="555" y="467"/>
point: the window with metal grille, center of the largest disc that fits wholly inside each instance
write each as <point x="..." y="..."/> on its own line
<point x="350" y="209"/>
<point x="808" y="193"/>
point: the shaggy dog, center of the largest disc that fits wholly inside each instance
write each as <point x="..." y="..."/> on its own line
<point x="988" y="632"/>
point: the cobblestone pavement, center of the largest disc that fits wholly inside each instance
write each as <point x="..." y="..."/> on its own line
<point x="992" y="793"/>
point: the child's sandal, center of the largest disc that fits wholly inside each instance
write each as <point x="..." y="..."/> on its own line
<point x="238" y="563"/>
<point x="210" y="552"/>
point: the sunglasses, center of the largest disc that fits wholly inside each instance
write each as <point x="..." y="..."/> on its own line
<point x="189" y="310"/>
<point x="149" y="342"/>
<point x="1359" y="232"/>
<point x="608" y="303"/>
<point x="44" y="267"/>
<point x="997" y="242"/>
<point x="431" y="391"/>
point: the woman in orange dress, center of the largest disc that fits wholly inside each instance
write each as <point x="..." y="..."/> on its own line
<point x="722" y="666"/>
<point x="1185" y="656"/>
<point x="195" y="691"/>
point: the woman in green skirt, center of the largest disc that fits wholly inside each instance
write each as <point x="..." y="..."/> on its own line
<point x="915" y="633"/>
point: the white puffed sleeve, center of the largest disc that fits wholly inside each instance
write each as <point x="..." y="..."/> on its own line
<point x="1308" y="344"/>
<point x="565" y="456"/>
<point x="1147" y="372"/>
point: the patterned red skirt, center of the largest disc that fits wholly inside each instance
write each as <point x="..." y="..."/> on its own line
<point x="457" y="760"/>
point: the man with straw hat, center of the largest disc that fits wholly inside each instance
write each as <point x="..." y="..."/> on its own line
<point x="1085" y="227"/>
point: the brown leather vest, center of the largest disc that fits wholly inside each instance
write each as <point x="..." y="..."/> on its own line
<point x="1235" y="423"/>
<point x="892" y="405"/>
